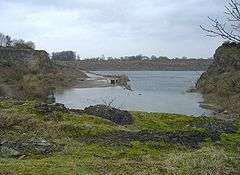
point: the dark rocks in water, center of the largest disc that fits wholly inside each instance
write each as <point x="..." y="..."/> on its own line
<point x="128" y="87"/>
<point x="115" y="115"/>
<point x="191" y="90"/>
<point x="49" y="108"/>
<point x="210" y="107"/>
<point x="120" y="80"/>
<point x="123" y="81"/>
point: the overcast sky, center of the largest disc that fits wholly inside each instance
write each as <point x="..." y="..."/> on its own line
<point x="113" y="27"/>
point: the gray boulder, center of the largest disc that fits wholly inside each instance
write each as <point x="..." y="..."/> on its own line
<point x="115" y="115"/>
<point x="7" y="152"/>
<point x="49" y="108"/>
<point x="17" y="148"/>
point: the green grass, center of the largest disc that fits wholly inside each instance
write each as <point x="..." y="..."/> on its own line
<point x="231" y="141"/>
<point x="75" y="126"/>
<point x="138" y="159"/>
<point x="54" y="165"/>
<point x="78" y="157"/>
<point x="163" y="122"/>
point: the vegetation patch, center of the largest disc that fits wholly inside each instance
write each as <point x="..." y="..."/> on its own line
<point x="67" y="142"/>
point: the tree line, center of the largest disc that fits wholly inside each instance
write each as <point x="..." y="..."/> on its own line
<point x="138" y="58"/>
<point x="7" y="41"/>
<point x="64" y="56"/>
<point x="129" y="58"/>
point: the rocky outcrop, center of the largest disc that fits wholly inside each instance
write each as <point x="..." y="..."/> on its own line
<point x="28" y="73"/>
<point x="45" y="108"/>
<point x="115" y="115"/>
<point x="221" y="82"/>
<point x="19" y="148"/>
<point x="13" y="53"/>
<point x="191" y="139"/>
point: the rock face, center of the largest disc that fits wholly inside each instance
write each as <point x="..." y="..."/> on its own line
<point x="16" y="64"/>
<point x="115" y="115"/>
<point x="18" y="148"/>
<point x="221" y="82"/>
<point x="109" y="113"/>
<point x="48" y="108"/>
<point x="8" y="152"/>
<point x="192" y="139"/>
<point x="19" y="54"/>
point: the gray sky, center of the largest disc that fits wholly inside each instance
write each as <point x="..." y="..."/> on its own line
<point x="113" y="27"/>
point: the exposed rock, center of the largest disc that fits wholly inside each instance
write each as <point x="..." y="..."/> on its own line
<point x="192" y="139"/>
<point x="210" y="107"/>
<point x="41" y="146"/>
<point x="221" y="82"/>
<point x="46" y="108"/>
<point x="49" y="108"/>
<point x="7" y="152"/>
<point x="78" y="111"/>
<point x="40" y="62"/>
<point x="217" y="126"/>
<point x="115" y="115"/>
<point x="123" y="81"/>
<point x="20" y="54"/>
<point x="28" y="73"/>
<point x="18" y="148"/>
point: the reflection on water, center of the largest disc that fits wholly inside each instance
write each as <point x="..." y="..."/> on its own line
<point x="154" y="91"/>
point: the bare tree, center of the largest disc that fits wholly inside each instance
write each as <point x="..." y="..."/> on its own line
<point x="109" y="102"/>
<point x="2" y="40"/>
<point x="21" y="44"/>
<point x="8" y="41"/>
<point x="230" y="29"/>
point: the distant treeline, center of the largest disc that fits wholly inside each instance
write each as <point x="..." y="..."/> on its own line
<point x="137" y="57"/>
<point x="7" y="41"/>
<point x="138" y="62"/>
<point x="71" y="56"/>
<point x="64" y="56"/>
<point x="139" y="65"/>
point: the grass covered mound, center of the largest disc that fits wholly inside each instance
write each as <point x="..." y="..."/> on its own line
<point x="62" y="143"/>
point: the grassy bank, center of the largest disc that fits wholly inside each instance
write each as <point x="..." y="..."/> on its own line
<point x="81" y="144"/>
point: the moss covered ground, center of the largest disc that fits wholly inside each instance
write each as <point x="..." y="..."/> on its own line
<point x="19" y="122"/>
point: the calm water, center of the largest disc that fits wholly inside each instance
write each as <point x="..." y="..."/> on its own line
<point x="153" y="91"/>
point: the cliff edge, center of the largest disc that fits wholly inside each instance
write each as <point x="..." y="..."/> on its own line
<point x="28" y="73"/>
<point x="220" y="84"/>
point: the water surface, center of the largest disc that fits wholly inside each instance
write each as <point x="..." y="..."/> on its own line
<point x="153" y="91"/>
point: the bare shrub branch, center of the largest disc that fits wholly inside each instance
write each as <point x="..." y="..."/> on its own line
<point x="230" y="29"/>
